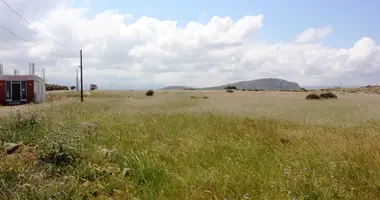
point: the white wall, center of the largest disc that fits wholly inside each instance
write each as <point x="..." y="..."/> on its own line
<point x="40" y="90"/>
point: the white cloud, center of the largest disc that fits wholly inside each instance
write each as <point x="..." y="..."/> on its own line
<point x="148" y="52"/>
<point x="313" y="34"/>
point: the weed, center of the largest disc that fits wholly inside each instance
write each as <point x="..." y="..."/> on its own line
<point x="59" y="150"/>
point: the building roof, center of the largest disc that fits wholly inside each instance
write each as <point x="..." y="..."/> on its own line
<point x="20" y="78"/>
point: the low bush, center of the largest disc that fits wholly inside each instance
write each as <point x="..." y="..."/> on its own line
<point x="230" y="87"/>
<point x="229" y="91"/>
<point x="149" y="93"/>
<point x="59" y="150"/>
<point x="328" y="95"/>
<point x="313" y="96"/>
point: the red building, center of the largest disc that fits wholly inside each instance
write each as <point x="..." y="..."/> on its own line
<point x="21" y="89"/>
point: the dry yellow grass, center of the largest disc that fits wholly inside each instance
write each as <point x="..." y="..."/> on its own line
<point x="241" y="145"/>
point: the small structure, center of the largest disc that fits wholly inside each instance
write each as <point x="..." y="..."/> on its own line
<point x="21" y="89"/>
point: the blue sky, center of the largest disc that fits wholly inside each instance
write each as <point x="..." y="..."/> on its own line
<point x="283" y="20"/>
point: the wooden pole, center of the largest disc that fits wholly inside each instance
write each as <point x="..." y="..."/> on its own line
<point x="81" y="77"/>
<point x="77" y="83"/>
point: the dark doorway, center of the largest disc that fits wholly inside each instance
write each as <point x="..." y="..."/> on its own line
<point x="16" y="91"/>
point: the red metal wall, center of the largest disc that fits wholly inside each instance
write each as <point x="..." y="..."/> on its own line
<point x="29" y="91"/>
<point x="2" y="92"/>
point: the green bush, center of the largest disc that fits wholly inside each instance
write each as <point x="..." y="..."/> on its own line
<point x="149" y="93"/>
<point x="59" y="150"/>
<point x="229" y="91"/>
<point x="230" y="87"/>
<point x="328" y="95"/>
<point x="313" y="96"/>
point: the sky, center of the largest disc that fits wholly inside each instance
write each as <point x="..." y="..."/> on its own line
<point x="151" y="44"/>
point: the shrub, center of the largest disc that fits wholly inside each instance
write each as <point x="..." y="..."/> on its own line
<point x="229" y="91"/>
<point x="230" y="87"/>
<point x="149" y="93"/>
<point x="313" y="96"/>
<point x="93" y="87"/>
<point x="328" y="95"/>
<point x="58" y="154"/>
<point x="59" y="150"/>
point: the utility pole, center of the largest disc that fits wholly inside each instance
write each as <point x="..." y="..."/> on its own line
<point x="77" y="86"/>
<point x="81" y="77"/>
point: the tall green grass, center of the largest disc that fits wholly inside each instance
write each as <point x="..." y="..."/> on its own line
<point x="184" y="155"/>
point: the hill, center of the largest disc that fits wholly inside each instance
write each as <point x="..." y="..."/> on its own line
<point x="175" y="88"/>
<point x="264" y="83"/>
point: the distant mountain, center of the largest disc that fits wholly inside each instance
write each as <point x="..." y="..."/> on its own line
<point x="264" y="83"/>
<point x="174" y="88"/>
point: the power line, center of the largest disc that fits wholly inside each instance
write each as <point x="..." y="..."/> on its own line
<point x="5" y="3"/>
<point x="14" y="34"/>
<point x="9" y="31"/>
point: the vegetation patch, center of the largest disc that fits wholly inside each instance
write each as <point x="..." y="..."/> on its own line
<point x="313" y="96"/>
<point x="328" y="95"/>
<point x="178" y="148"/>
<point x="230" y="87"/>
<point x="149" y="93"/>
<point x="58" y="153"/>
<point x="325" y="95"/>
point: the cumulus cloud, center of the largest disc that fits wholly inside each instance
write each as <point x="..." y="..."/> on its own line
<point x="313" y="34"/>
<point x="122" y="52"/>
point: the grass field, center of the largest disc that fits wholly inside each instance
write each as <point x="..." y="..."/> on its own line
<point x="243" y="145"/>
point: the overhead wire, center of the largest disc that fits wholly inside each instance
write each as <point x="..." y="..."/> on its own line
<point x="16" y="35"/>
<point x="9" y="31"/>
<point x="5" y="3"/>
<point x="23" y="39"/>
